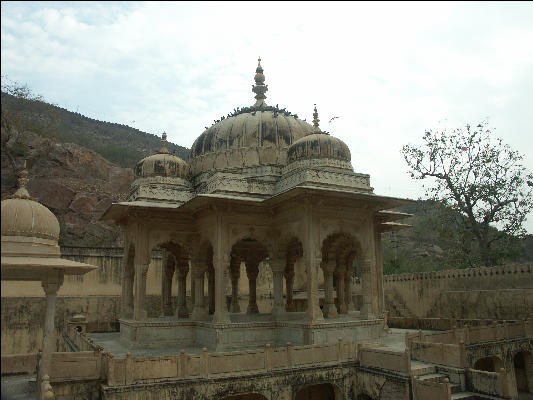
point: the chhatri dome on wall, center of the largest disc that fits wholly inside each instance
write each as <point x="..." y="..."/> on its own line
<point x="256" y="151"/>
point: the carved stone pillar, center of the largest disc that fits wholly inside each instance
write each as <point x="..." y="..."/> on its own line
<point x="348" y="298"/>
<point x="289" y="283"/>
<point x="252" y="270"/>
<point x="127" y="287"/>
<point x="329" y="310"/>
<point x="167" y="274"/>
<point x="211" y="289"/>
<point x="199" y="312"/>
<point x="139" y="310"/>
<point x="183" y="270"/>
<point x="235" y="272"/>
<point x="366" y="309"/>
<point x="193" y="293"/>
<point x="51" y="285"/>
<point x="339" y="274"/>
<point x="221" y="265"/>
<point x="278" y="267"/>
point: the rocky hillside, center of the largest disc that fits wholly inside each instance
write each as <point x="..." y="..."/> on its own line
<point x="76" y="184"/>
<point x="77" y="166"/>
<point x="120" y="144"/>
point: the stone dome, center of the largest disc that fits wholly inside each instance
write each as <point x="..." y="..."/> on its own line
<point x="162" y="164"/>
<point x="318" y="145"/>
<point x="24" y="216"/>
<point x="249" y="137"/>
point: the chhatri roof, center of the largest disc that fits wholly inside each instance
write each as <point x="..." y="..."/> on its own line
<point x="162" y="164"/>
<point x="30" y="234"/>
<point x="248" y="137"/>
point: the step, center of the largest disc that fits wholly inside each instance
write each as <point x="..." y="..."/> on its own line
<point x="436" y="377"/>
<point x="473" y="396"/>
<point x="420" y="368"/>
<point x="456" y="388"/>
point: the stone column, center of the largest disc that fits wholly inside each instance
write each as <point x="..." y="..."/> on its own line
<point x="289" y="282"/>
<point x="252" y="270"/>
<point x="329" y="311"/>
<point x="199" y="312"/>
<point x="348" y="298"/>
<point x="183" y="270"/>
<point x="277" y="266"/>
<point x="366" y="309"/>
<point x="235" y="271"/>
<point x="193" y="293"/>
<point x="314" y="314"/>
<point x="211" y="289"/>
<point x="379" y="270"/>
<point x="51" y="285"/>
<point x="168" y="268"/>
<point x="221" y="265"/>
<point x="139" y="310"/>
<point x="127" y="289"/>
<point x="339" y="274"/>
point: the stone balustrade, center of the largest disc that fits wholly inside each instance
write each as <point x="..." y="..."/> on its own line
<point x="427" y="389"/>
<point x="489" y="383"/>
<point x="131" y="370"/>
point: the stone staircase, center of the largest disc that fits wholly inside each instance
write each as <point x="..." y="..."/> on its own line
<point x="396" y="306"/>
<point x="438" y="373"/>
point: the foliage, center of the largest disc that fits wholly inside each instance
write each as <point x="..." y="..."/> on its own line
<point x="481" y="181"/>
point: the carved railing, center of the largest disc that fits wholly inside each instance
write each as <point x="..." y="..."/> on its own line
<point x="476" y="334"/>
<point x="427" y="389"/>
<point x="489" y="383"/>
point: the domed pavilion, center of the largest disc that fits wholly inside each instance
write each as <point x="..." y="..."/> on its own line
<point x="260" y="185"/>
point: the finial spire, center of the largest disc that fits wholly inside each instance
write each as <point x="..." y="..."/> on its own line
<point x="259" y="88"/>
<point x="22" y="192"/>
<point x="316" y="120"/>
<point x="164" y="143"/>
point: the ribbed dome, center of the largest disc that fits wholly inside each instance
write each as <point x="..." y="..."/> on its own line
<point x="23" y="216"/>
<point x="162" y="164"/>
<point x="318" y="145"/>
<point x="254" y="138"/>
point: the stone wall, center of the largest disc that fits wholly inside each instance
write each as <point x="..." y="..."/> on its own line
<point x="503" y="292"/>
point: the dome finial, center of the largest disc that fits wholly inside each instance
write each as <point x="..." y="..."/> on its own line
<point x="316" y="120"/>
<point x="22" y="192"/>
<point x="164" y="143"/>
<point x="259" y="88"/>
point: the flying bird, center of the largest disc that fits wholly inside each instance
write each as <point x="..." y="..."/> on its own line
<point x="332" y="119"/>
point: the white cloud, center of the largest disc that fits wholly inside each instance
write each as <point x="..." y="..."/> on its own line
<point x="388" y="70"/>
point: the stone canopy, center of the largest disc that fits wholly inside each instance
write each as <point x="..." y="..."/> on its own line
<point x="263" y="187"/>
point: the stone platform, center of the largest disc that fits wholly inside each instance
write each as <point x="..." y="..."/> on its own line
<point x="246" y="331"/>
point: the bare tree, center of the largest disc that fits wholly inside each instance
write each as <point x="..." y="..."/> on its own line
<point x="478" y="176"/>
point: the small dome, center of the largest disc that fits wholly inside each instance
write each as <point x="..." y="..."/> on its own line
<point x="162" y="164"/>
<point x="24" y="216"/>
<point x="318" y="145"/>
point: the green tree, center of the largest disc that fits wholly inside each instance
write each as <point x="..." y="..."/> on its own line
<point x="482" y="180"/>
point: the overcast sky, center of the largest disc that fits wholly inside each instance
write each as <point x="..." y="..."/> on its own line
<point x="387" y="70"/>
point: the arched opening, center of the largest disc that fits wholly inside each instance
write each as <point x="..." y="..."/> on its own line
<point x="339" y="252"/>
<point x="245" y="396"/>
<point x="490" y="364"/>
<point x="248" y="256"/>
<point x="322" y="391"/>
<point x="203" y="268"/>
<point x="523" y="368"/>
<point x="174" y="263"/>
<point x="293" y="253"/>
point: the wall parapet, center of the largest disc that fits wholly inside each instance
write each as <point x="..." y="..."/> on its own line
<point x="499" y="270"/>
<point x="489" y="383"/>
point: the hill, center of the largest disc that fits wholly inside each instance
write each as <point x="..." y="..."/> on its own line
<point x="120" y="144"/>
